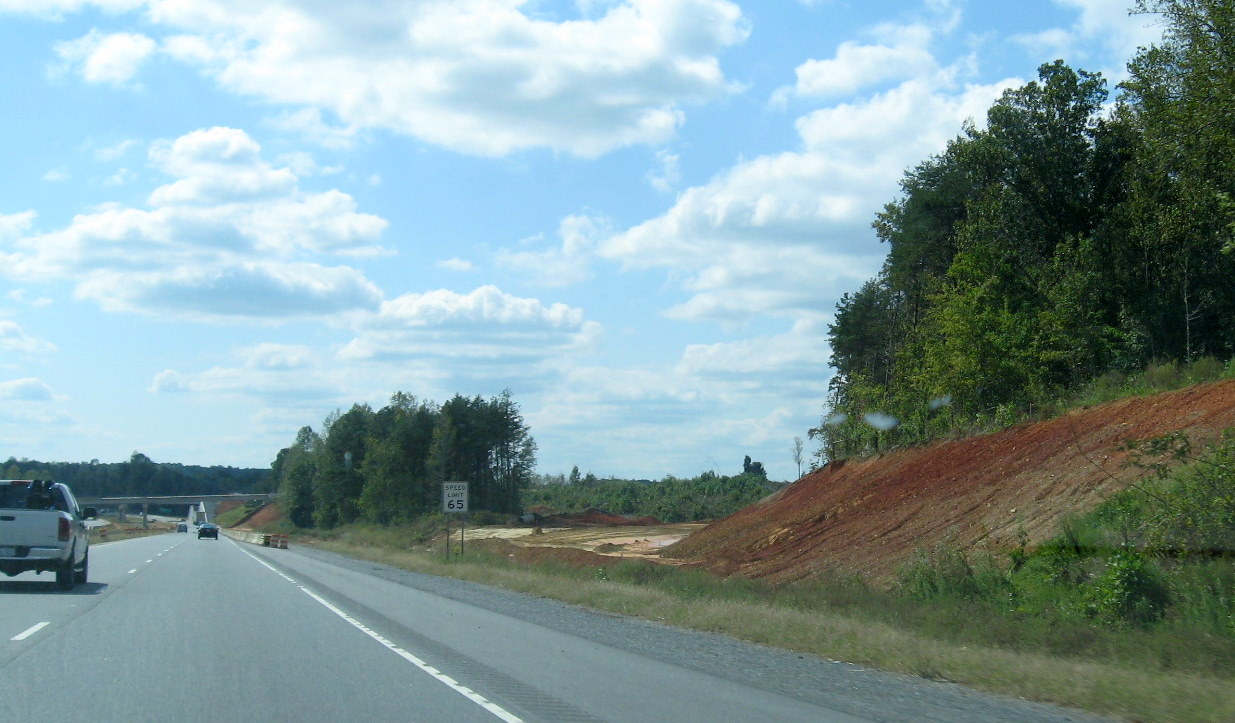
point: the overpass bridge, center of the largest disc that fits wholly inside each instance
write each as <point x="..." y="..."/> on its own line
<point x="202" y="507"/>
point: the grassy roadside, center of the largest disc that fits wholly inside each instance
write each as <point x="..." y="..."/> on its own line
<point x="1127" y="689"/>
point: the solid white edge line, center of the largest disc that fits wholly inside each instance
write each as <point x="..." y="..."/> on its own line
<point x="441" y="677"/>
<point x="33" y="629"/>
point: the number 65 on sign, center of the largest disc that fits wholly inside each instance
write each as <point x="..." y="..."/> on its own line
<point x="454" y="497"/>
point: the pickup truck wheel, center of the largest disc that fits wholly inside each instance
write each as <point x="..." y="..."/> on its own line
<point x="79" y="576"/>
<point x="65" y="575"/>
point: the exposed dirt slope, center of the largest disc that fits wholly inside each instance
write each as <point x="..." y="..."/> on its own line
<point x="867" y="516"/>
<point x="265" y="515"/>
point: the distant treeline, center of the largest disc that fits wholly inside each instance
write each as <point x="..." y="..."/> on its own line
<point x="388" y="465"/>
<point x="707" y="497"/>
<point x="1065" y="241"/>
<point x="140" y="476"/>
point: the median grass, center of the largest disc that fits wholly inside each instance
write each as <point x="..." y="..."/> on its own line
<point x="1120" y="672"/>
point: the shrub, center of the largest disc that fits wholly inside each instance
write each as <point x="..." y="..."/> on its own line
<point x="948" y="573"/>
<point x="479" y="518"/>
<point x="1130" y="591"/>
<point x="1205" y="369"/>
<point x="1163" y="376"/>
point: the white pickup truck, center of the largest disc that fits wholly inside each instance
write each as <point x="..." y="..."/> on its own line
<point x="43" y="528"/>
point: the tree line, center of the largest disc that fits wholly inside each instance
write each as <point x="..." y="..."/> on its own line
<point x="1066" y="240"/>
<point x="388" y="465"/>
<point x="708" y="496"/>
<point x="140" y="476"/>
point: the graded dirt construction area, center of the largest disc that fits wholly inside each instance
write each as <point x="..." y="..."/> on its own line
<point x="632" y="541"/>
<point x="869" y="515"/>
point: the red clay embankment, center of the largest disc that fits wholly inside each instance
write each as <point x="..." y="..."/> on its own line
<point x="869" y="515"/>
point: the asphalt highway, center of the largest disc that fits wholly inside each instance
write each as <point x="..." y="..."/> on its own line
<point x="172" y="627"/>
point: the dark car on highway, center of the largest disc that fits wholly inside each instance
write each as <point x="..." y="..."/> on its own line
<point x="208" y="529"/>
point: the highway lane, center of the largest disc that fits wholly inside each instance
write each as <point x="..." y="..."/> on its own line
<point x="204" y="622"/>
<point x="32" y="599"/>
<point x="304" y="635"/>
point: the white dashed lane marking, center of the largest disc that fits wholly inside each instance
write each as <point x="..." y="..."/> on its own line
<point x="30" y="631"/>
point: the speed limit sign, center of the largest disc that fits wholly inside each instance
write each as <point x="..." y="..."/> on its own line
<point x="454" y="497"/>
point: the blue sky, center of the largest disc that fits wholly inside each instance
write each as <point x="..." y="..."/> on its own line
<point x="221" y="219"/>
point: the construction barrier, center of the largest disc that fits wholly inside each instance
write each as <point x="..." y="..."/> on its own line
<point x="257" y="538"/>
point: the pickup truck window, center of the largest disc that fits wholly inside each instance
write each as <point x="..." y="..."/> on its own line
<point x="18" y="497"/>
<point x="13" y="496"/>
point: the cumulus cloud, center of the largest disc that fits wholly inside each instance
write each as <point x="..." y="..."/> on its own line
<point x="240" y="292"/>
<point x="456" y="264"/>
<point x="786" y="234"/>
<point x="26" y="390"/>
<point x="289" y="375"/>
<point x="14" y="225"/>
<point x="567" y="263"/>
<point x="1101" y="28"/>
<point x="15" y="339"/>
<point x="791" y="358"/>
<point x="106" y="58"/>
<point x="230" y="237"/>
<point x="894" y="53"/>
<point x="116" y="151"/>
<point x="56" y="9"/>
<point x="479" y="76"/>
<point x="483" y="326"/>
<point x="857" y="66"/>
<point x="666" y="175"/>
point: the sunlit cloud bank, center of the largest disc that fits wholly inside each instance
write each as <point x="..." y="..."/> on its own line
<point x="787" y="234"/>
<point x="231" y="237"/>
<point x="481" y="76"/>
<point x="483" y="326"/>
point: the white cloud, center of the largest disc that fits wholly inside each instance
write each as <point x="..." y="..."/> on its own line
<point x="858" y="66"/>
<point x="121" y="177"/>
<point x="569" y="262"/>
<point x="479" y="76"/>
<point x="898" y="52"/>
<point x="14" y="225"/>
<point x="666" y="175"/>
<point x="15" y="339"/>
<point x="106" y="58"/>
<point x="230" y="237"/>
<point x="791" y="359"/>
<point x="291" y="377"/>
<point x="484" y="326"/>
<point x="786" y="234"/>
<point x="26" y="390"/>
<point x="56" y="175"/>
<point x="743" y="396"/>
<point x="56" y="9"/>
<point x="116" y="151"/>
<point x="1103" y="28"/>
<point x="304" y="388"/>
<point x="19" y="296"/>
<point x="278" y="356"/>
<point x="456" y="264"/>
<point x="269" y="291"/>
<point x="308" y="122"/>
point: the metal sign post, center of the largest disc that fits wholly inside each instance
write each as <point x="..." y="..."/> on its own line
<point x="454" y="501"/>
